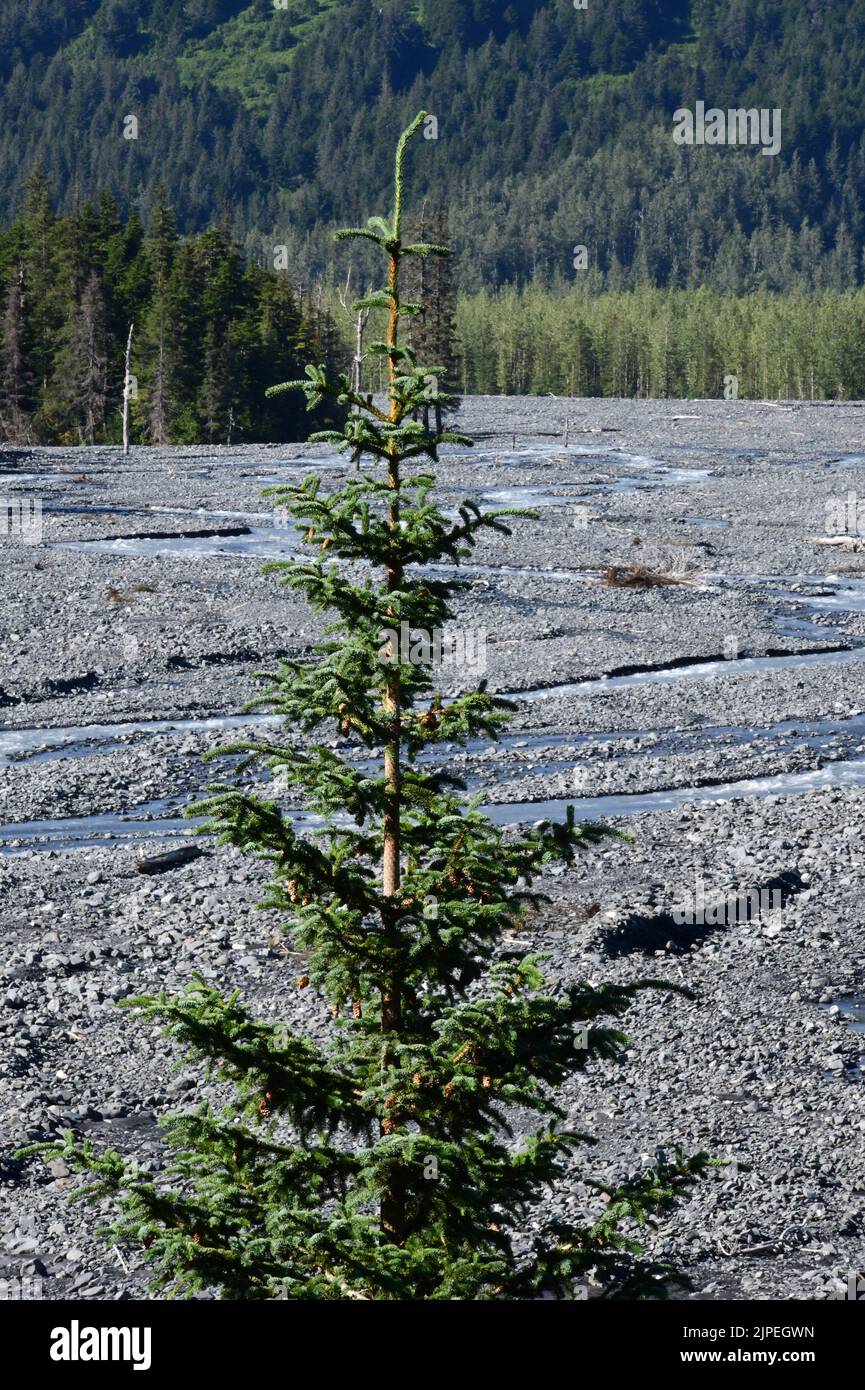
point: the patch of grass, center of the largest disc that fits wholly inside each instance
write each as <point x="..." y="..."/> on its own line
<point x="639" y="577"/>
<point x="249" y="53"/>
<point x="600" y="84"/>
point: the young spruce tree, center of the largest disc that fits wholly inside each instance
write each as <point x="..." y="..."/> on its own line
<point x="383" y="1166"/>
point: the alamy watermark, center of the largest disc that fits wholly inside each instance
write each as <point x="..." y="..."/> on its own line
<point x="736" y="126"/>
<point x="853" y="1291"/>
<point x="723" y="909"/>
<point x="77" y="1343"/>
<point x="21" y="519"/>
<point x="845" y="516"/>
<point x="23" y="1290"/>
<point x="460" y="648"/>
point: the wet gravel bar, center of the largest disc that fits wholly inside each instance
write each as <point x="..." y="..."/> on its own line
<point x="719" y="720"/>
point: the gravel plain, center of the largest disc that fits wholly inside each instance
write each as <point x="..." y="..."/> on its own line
<point x="719" y="720"/>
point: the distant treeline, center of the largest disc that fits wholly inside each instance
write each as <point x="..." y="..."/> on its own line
<point x="211" y="333"/>
<point x="655" y="342"/>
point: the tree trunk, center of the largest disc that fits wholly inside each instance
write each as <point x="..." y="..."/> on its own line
<point x="126" y="390"/>
<point x="392" y="1214"/>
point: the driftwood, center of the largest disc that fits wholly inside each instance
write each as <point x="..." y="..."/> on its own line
<point x="639" y="577"/>
<point x="843" y="542"/>
<point x="171" y="859"/>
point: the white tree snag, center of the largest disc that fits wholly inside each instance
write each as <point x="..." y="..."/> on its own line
<point x="127" y="390"/>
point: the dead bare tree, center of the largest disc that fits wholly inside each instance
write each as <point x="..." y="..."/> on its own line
<point x="360" y="317"/>
<point x="127" y="390"/>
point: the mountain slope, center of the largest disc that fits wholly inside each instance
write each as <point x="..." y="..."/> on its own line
<point x="555" y="126"/>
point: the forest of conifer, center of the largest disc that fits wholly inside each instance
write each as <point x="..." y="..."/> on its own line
<point x="211" y="331"/>
<point x="549" y="118"/>
<point x="158" y="160"/>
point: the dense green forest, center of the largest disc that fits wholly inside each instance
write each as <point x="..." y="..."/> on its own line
<point x="654" y="342"/>
<point x="661" y="342"/>
<point x="211" y="330"/>
<point x="554" y="127"/>
<point x="156" y="155"/>
<point x="214" y="329"/>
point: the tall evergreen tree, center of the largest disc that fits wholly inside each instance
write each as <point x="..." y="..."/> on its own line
<point x="162" y="235"/>
<point x="157" y="406"/>
<point x="278" y="329"/>
<point x="432" y="333"/>
<point x="223" y="299"/>
<point x="173" y="346"/>
<point x="382" y="1166"/>
<point x="43" y="298"/>
<point x="15" y="378"/>
<point x="80" y="386"/>
<point x="216" y="399"/>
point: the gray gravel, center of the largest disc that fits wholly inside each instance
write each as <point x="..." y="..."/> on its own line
<point x="133" y="611"/>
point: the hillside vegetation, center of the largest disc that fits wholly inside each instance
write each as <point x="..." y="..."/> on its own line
<point x="549" y="118"/>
